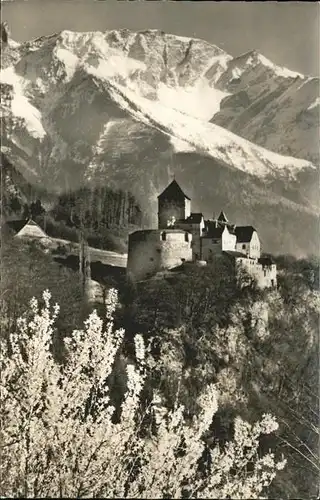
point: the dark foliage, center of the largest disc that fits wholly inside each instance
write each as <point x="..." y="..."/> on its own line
<point x="100" y="212"/>
<point x="26" y="271"/>
<point x="188" y="319"/>
<point x="103" y="214"/>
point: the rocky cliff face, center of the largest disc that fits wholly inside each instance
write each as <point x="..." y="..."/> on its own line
<point x="271" y="106"/>
<point x="129" y="109"/>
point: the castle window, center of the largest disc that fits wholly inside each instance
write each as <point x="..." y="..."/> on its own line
<point x="163" y="236"/>
<point x="186" y="237"/>
<point x="243" y="247"/>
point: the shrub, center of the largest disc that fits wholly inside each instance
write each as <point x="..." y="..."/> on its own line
<point x="58" y="437"/>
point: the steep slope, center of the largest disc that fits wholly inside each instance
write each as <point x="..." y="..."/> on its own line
<point x="120" y="108"/>
<point x="271" y="106"/>
<point x="16" y="192"/>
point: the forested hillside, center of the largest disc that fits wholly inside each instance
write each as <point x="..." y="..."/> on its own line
<point x="259" y="347"/>
<point x="104" y="214"/>
<point x="99" y="212"/>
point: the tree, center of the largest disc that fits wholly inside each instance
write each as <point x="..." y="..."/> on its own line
<point x="260" y="346"/>
<point x="58" y="439"/>
<point x="25" y="272"/>
<point x="194" y="297"/>
<point x="36" y="209"/>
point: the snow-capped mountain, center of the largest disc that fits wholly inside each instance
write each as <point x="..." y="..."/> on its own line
<point x="130" y="108"/>
<point x="271" y="106"/>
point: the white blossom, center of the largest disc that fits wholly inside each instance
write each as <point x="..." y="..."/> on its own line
<point x="58" y="437"/>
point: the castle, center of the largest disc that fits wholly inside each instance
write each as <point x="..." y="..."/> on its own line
<point x="184" y="236"/>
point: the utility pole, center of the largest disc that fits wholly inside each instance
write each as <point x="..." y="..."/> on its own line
<point x="84" y="265"/>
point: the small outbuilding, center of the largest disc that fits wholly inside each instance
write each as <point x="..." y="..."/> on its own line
<point x="25" y="228"/>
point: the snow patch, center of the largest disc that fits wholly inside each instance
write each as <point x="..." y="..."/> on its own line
<point x="178" y="37"/>
<point x="103" y="135"/>
<point x="115" y="65"/>
<point x="209" y="138"/>
<point x="181" y="146"/>
<point x="236" y="72"/>
<point x="20" y="105"/>
<point x="200" y="100"/>
<point x="221" y="65"/>
<point x="253" y="58"/>
<point x="279" y="70"/>
<point x="315" y="103"/>
<point x="69" y="60"/>
<point x="98" y="147"/>
<point x="13" y="44"/>
<point x="40" y="84"/>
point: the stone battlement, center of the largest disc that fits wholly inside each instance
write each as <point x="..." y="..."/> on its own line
<point x="154" y="250"/>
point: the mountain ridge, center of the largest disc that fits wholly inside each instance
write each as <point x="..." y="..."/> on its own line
<point x="121" y="108"/>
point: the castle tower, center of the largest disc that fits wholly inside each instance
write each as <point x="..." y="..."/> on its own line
<point x="173" y="204"/>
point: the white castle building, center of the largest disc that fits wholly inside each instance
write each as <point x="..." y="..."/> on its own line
<point x="184" y="236"/>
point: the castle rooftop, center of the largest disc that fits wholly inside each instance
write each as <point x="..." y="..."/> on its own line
<point x="244" y="233"/>
<point x="213" y="231"/>
<point x="194" y="218"/>
<point x="173" y="191"/>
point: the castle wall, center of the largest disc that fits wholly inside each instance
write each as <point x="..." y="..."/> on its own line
<point x="196" y="246"/>
<point x="214" y="246"/>
<point x="179" y="209"/>
<point x="228" y="241"/>
<point x="169" y="210"/>
<point x="210" y="248"/>
<point x="252" y="267"/>
<point x="143" y="254"/>
<point x="266" y="276"/>
<point x="196" y="231"/>
<point x="243" y="248"/>
<point x="154" y="250"/>
<point x="187" y="208"/>
<point x="251" y="248"/>
<point x="176" y="249"/>
<point x="254" y="249"/>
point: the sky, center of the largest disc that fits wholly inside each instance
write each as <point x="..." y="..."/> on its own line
<point x="288" y="33"/>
